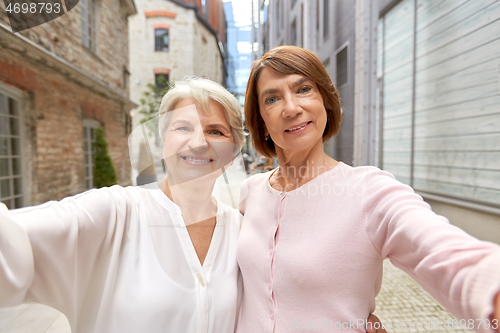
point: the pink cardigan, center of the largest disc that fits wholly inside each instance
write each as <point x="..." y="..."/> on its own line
<point x="311" y="258"/>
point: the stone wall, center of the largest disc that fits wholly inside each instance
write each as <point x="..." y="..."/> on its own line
<point x="207" y="59"/>
<point x="193" y="49"/>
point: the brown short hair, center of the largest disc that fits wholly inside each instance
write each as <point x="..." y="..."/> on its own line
<point x="288" y="60"/>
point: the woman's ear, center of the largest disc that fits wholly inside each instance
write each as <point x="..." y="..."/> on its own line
<point x="266" y="133"/>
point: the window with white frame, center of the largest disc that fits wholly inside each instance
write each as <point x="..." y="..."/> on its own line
<point x="89" y="129"/>
<point x="89" y="24"/>
<point x="11" y="176"/>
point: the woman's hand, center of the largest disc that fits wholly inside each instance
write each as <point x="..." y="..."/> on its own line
<point x="374" y="322"/>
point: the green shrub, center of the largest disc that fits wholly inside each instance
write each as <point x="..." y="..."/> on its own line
<point x="151" y="99"/>
<point x="104" y="170"/>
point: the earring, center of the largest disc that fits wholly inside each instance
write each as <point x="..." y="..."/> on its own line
<point x="266" y="137"/>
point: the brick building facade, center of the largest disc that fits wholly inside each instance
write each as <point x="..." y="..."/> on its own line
<point x="174" y="39"/>
<point x="58" y="82"/>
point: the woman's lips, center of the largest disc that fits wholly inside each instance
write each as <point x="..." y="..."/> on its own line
<point x="298" y="128"/>
<point x="197" y="160"/>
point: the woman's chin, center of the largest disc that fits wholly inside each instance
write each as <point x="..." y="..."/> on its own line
<point x="302" y="145"/>
<point x="194" y="176"/>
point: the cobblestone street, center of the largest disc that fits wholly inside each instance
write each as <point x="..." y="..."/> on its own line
<point x="400" y="302"/>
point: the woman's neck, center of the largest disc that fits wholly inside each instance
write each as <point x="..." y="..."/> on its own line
<point x="195" y="201"/>
<point x="299" y="167"/>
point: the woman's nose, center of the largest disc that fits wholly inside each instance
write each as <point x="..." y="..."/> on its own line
<point x="197" y="140"/>
<point x="291" y="107"/>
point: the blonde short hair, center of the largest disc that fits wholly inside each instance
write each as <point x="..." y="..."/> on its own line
<point x="203" y="90"/>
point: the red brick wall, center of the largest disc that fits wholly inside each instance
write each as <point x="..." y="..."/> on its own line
<point x="54" y="111"/>
<point x="63" y="37"/>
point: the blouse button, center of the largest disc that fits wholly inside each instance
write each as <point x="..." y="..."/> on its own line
<point x="200" y="278"/>
<point x="272" y="315"/>
<point x="269" y="286"/>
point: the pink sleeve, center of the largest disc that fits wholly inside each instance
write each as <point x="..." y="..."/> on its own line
<point x="460" y="271"/>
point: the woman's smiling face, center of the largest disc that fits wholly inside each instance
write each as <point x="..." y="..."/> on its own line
<point x="196" y="143"/>
<point x="292" y="109"/>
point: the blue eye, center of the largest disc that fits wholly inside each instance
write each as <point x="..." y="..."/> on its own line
<point x="183" y="129"/>
<point x="271" y="100"/>
<point x="215" y="132"/>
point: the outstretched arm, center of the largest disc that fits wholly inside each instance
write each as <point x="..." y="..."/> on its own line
<point x="458" y="270"/>
<point x="16" y="260"/>
<point x="57" y="252"/>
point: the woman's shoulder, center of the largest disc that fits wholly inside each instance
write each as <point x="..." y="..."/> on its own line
<point x="230" y="217"/>
<point x="256" y="181"/>
<point x="259" y="178"/>
<point x="228" y="211"/>
<point x="362" y="173"/>
<point x="368" y="180"/>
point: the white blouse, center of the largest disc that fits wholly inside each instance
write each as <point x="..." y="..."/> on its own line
<point x="120" y="260"/>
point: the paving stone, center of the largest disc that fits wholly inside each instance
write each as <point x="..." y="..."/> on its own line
<point x="403" y="305"/>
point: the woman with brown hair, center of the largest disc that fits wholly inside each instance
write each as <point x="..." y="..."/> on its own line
<point x="316" y="231"/>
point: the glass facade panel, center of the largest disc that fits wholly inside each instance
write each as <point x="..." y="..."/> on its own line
<point x="16" y="166"/>
<point x="14" y="126"/>
<point x="13" y="109"/>
<point x="4" y="125"/>
<point x="15" y="146"/>
<point x="4" y="146"/>
<point x="18" y="185"/>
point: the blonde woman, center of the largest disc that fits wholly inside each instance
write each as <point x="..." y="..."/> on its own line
<point x="132" y="259"/>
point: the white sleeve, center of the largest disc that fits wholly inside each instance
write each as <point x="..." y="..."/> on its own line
<point x="72" y="242"/>
<point x="16" y="261"/>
